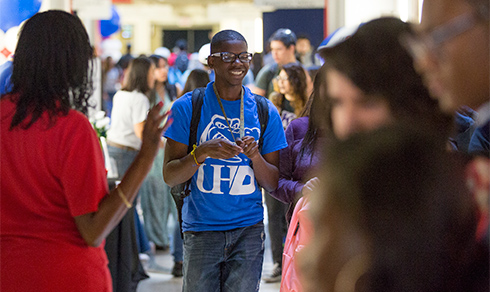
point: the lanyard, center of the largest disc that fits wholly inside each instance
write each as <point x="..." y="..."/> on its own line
<point x="242" y="124"/>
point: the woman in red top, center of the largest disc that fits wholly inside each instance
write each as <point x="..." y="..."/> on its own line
<point x="56" y="209"/>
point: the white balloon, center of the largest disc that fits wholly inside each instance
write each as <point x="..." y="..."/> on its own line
<point x="112" y="48"/>
<point x="2" y="40"/>
<point x="11" y="37"/>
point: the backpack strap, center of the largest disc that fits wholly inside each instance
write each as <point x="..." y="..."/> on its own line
<point x="182" y="190"/>
<point x="263" y="112"/>
<point x="197" y="101"/>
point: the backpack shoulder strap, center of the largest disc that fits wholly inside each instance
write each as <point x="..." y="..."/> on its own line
<point x="197" y="101"/>
<point x="263" y="112"/>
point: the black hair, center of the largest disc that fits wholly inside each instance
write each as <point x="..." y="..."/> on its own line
<point x="156" y="59"/>
<point x="375" y="61"/>
<point x="197" y="78"/>
<point x="52" y="68"/>
<point x="181" y="44"/>
<point x="137" y="76"/>
<point x="407" y="200"/>
<point x="310" y="140"/>
<point x="303" y="37"/>
<point x="284" y="35"/>
<point x="169" y="88"/>
<point x="225" y="36"/>
<point x="297" y="80"/>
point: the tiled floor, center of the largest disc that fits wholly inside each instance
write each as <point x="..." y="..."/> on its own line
<point x="164" y="281"/>
<point x="159" y="282"/>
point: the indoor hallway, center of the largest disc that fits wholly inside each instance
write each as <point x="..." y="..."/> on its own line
<point x="165" y="282"/>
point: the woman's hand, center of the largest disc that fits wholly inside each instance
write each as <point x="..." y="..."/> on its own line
<point x="95" y="226"/>
<point x="153" y="130"/>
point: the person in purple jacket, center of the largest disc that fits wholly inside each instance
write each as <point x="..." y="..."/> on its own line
<point x="298" y="161"/>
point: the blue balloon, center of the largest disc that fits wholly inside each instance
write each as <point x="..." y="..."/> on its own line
<point x="12" y="13"/>
<point x="108" y="27"/>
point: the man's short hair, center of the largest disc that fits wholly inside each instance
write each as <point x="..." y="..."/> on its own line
<point x="226" y="36"/>
<point x="303" y="37"/>
<point x="285" y="36"/>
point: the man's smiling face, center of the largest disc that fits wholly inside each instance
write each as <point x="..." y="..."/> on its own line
<point x="230" y="74"/>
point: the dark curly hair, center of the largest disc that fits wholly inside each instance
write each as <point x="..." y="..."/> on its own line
<point x="52" y="69"/>
<point x="297" y="80"/>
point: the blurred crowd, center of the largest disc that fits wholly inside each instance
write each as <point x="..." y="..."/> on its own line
<point x="373" y="164"/>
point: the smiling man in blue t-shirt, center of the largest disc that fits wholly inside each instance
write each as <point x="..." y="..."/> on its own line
<point x="222" y="217"/>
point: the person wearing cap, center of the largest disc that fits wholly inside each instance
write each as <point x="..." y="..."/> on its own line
<point x="451" y="50"/>
<point x="336" y="37"/>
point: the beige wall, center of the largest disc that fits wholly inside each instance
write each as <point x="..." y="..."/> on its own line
<point x="148" y="21"/>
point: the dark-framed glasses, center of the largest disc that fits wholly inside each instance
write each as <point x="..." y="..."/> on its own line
<point x="228" y="57"/>
<point x="281" y="78"/>
<point x="420" y="45"/>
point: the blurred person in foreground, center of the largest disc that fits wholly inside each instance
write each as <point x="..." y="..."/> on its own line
<point x="56" y="206"/>
<point x="451" y="50"/>
<point x="392" y="213"/>
<point x="370" y="83"/>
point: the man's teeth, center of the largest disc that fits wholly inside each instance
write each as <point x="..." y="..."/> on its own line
<point x="236" y="72"/>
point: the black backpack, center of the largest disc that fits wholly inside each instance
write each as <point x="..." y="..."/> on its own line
<point x="180" y="191"/>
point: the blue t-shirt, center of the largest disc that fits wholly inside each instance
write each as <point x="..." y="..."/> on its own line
<point x="225" y="194"/>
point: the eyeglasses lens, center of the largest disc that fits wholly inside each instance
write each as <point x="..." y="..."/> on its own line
<point x="230" y="57"/>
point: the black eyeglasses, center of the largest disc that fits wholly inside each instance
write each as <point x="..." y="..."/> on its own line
<point x="420" y="45"/>
<point x="228" y="57"/>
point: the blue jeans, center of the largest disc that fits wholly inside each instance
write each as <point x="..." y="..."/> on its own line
<point x="221" y="261"/>
<point x="177" y="246"/>
<point x="123" y="159"/>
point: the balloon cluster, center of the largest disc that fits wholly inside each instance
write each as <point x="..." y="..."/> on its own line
<point x="12" y="14"/>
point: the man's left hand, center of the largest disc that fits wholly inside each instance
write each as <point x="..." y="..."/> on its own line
<point x="249" y="146"/>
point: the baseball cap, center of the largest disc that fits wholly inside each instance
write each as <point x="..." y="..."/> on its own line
<point x="284" y="35"/>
